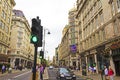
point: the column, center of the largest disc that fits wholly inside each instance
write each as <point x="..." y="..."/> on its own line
<point x="86" y="63"/>
<point x="80" y="64"/>
<point x="95" y="56"/>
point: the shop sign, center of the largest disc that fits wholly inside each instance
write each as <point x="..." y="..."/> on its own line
<point x="73" y="48"/>
<point x="115" y="45"/>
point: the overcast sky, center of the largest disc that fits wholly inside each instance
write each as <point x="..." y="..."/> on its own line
<point x="53" y="15"/>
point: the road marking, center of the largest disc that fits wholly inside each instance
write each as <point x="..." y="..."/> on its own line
<point x="21" y="74"/>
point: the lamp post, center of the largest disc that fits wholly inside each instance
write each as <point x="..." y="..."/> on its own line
<point x="44" y="39"/>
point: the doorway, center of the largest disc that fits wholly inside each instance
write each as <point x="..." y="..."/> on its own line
<point x="117" y="67"/>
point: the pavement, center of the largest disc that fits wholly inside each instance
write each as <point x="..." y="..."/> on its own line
<point x="13" y="71"/>
<point x="78" y="73"/>
<point x="93" y="76"/>
<point x="45" y="75"/>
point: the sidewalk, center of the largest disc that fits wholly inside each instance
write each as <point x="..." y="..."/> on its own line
<point x="13" y="71"/>
<point x="93" y="76"/>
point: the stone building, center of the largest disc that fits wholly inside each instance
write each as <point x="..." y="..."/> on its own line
<point x="99" y="33"/>
<point x="6" y="7"/>
<point x="21" y="51"/>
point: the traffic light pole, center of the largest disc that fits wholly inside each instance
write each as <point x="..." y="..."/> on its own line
<point x="35" y="61"/>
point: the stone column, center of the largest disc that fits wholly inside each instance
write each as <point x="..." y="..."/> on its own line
<point x="12" y="62"/>
<point x="95" y="56"/>
<point x="80" y="65"/>
<point x="86" y="64"/>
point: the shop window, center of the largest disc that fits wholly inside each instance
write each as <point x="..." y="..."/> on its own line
<point x="118" y="5"/>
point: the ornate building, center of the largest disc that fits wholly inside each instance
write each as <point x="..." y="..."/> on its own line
<point x="6" y="7"/>
<point x="64" y="48"/>
<point x="21" y="51"/>
<point x="99" y="33"/>
<point x="73" y="38"/>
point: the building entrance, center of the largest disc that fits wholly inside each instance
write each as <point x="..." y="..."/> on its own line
<point x="117" y="67"/>
<point x="116" y="59"/>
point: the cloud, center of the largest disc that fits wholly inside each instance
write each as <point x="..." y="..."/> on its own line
<point x="53" y="15"/>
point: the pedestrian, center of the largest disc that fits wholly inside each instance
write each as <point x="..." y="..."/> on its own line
<point x="90" y="69"/>
<point x="41" y="71"/>
<point x="111" y="73"/>
<point x="94" y="69"/>
<point x="106" y="73"/>
<point x="3" y="68"/>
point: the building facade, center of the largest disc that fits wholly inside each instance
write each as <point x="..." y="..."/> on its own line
<point x="63" y="48"/>
<point x="6" y="7"/>
<point x="99" y="33"/>
<point x="73" y="38"/>
<point x="21" y="51"/>
<point x="56" y="56"/>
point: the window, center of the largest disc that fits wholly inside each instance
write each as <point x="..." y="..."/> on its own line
<point x="73" y="41"/>
<point x="72" y="29"/>
<point x="0" y="24"/>
<point x="118" y="5"/>
<point x="102" y="35"/>
<point x="115" y="27"/>
<point x="3" y="25"/>
<point x="113" y="8"/>
<point x="6" y="29"/>
<point x="18" y="52"/>
<point x="96" y="22"/>
<point x="99" y="4"/>
<point x="101" y="17"/>
<point x="8" y="20"/>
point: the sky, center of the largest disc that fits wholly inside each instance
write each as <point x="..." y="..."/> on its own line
<point x="53" y="15"/>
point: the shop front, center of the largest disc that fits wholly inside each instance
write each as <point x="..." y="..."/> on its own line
<point x="116" y="57"/>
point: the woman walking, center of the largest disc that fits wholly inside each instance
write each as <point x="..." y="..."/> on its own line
<point x="111" y="73"/>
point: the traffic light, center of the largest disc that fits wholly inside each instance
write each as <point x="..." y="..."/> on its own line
<point x="36" y="32"/>
<point x="41" y="54"/>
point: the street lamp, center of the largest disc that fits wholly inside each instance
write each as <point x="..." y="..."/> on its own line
<point x="45" y="29"/>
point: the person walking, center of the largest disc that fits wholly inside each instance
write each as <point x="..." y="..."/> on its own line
<point x="41" y="71"/>
<point x="106" y="73"/>
<point x="3" y="68"/>
<point x="111" y="73"/>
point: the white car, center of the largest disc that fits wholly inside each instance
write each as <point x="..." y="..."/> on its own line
<point x="50" y="67"/>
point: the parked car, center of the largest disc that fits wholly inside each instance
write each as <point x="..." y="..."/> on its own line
<point x="65" y="74"/>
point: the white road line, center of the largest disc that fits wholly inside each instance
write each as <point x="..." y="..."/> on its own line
<point x="21" y="74"/>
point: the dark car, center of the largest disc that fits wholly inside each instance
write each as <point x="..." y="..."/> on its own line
<point x="65" y="74"/>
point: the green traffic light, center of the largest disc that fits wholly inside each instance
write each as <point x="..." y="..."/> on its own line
<point x="34" y="39"/>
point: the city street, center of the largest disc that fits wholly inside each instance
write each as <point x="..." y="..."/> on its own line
<point x="19" y="75"/>
<point x="60" y="40"/>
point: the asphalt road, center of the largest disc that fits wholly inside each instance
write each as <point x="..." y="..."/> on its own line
<point x="21" y="75"/>
<point x="53" y="73"/>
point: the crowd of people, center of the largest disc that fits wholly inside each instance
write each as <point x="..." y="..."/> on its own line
<point x="108" y="72"/>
